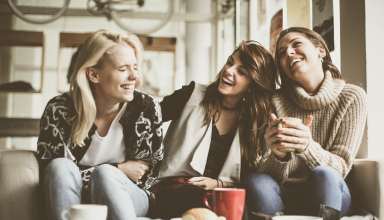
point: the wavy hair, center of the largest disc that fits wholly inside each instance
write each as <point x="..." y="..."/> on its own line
<point x="256" y="103"/>
<point x="318" y="41"/>
<point x="90" y="53"/>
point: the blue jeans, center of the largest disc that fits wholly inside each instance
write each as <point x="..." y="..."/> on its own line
<point x="325" y="187"/>
<point x="62" y="187"/>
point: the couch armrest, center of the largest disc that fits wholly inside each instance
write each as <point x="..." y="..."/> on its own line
<point x="364" y="182"/>
<point x="19" y="185"/>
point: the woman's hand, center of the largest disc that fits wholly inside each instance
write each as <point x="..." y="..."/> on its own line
<point x="206" y="183"/>
<point x="288" y="134"/>
<point x="269" y="135"/>
<point x="134" y="169"/>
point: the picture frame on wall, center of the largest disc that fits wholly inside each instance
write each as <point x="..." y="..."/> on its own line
<point x="275" y="29"/>
<point x="322" y="21"/>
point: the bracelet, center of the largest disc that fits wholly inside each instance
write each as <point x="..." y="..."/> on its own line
<point x="218" y="183"/>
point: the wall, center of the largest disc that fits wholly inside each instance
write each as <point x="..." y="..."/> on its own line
<point x="353" y="50"/>
<point x="374" y="35"/>
<point x="202" y="68"/>
<point x="27" y="64"/>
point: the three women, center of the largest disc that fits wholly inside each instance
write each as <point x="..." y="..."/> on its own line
<point x="217" y="131"/>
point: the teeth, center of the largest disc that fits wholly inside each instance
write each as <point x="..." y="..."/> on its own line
<point x="294" y="61"/>
<point x="126" y="86"/>
<point x="228" y="82"/>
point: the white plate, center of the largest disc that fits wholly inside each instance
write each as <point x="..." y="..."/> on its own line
<point x="296" y="217"/>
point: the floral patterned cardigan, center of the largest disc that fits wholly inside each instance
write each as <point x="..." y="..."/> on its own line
<point x="142" y="135"/>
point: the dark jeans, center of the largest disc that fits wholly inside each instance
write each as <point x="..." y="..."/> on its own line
<point x="325" y="187"/>
<point x="174" y="196"/>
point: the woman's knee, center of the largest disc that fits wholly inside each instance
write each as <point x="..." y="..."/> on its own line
<point x="105" y="175"/>
<point x="61" y="167"/>
<point x="261" y="183"/>
<point x="327" y="175"/>
<point x="260" y="180"/>
<point x="62" y="171"/>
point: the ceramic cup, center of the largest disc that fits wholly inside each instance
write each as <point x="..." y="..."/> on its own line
<point x="227" y="202"/>
<point x="85" y="212"/>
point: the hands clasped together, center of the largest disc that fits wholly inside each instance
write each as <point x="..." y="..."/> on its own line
<point x="288" y="134"/>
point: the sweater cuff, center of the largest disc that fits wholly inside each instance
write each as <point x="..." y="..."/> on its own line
<point x="276" y="167"/>
<point x="311" y="154"/>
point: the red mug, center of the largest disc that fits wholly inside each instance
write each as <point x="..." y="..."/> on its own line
<point x="227" y="202"/>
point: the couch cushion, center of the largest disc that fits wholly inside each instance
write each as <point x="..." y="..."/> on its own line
<point x="19" y="185"/>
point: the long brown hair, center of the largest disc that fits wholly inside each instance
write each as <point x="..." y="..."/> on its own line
<point x="317" y="41"/>
<point x="256" y="103"/>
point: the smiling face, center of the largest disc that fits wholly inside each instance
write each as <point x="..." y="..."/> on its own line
<point x="234" y="79"/>
<point x="116" y="75"/>
<point x="300" y="59"/>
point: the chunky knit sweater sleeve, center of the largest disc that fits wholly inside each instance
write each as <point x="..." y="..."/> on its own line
<point x="339" y="113"/>
<point x="345" y="139"/>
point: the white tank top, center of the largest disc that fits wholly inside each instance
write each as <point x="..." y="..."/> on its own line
<point x="107" y="149"/>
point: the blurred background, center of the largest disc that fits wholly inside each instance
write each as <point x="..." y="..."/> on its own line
<point x="184" y="40"/>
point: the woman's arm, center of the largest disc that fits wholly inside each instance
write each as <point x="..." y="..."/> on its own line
<point x="54" y="130"/>
<point x="172" y="105"/>
<point x="275" y="161"/>
<point x="148" y="149"/>
<point x="341" y="153"/>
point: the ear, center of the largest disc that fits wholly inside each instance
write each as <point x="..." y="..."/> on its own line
<point x="322" y="52"/>
<point x="92" y="75"/>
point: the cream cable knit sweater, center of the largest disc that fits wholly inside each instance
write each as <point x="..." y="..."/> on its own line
<point x="339" y="114"/>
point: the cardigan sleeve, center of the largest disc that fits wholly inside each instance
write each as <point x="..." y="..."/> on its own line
<point x="149" y="140"/>
<point x="172" y="105"/>
<point x="348" y="136"/>
<point x="54" y="130"/>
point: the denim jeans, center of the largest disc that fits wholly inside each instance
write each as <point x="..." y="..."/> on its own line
<point x="62" y="187"/>
<point x="325" y="187"/>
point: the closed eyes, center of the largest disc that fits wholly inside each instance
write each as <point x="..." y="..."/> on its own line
<point x="128" y="67"/>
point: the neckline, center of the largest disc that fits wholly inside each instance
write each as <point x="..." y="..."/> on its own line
<point x="114" y="121"/>
<point x="229" y="108"/>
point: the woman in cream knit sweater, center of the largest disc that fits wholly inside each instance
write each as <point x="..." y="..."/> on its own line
<point x="314" y="136"/>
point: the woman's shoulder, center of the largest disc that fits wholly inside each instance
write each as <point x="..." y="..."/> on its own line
<point x="145" y="103"/>
<point x="197" y="93"/>
<point x="59" y="108"/>
<point x="62" y="101"/>
<point x="143" y="99"/>
<point x="354" y="93"/>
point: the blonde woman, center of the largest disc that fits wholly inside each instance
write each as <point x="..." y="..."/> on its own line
<point x="101" y="142"/>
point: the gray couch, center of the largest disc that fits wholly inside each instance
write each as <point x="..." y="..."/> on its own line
<point x="20" y="200"/>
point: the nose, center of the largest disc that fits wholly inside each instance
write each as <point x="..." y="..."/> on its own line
<point x="290" y="50"/>
<point x="132" y="75"/>
<point x="231" y="70"/>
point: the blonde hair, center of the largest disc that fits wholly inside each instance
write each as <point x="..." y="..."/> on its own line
<point x="90" y="53"/>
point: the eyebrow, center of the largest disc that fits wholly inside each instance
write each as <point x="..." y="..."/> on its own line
<point x="126" y="65"/>
<point x="290" y="41"/>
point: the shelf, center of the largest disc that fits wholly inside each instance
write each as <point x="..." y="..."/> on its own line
<point x="19" y="127"/>
<point x="13" y="38"/>
<point x="74" y="39"/>
<point x="68" y="39"/>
